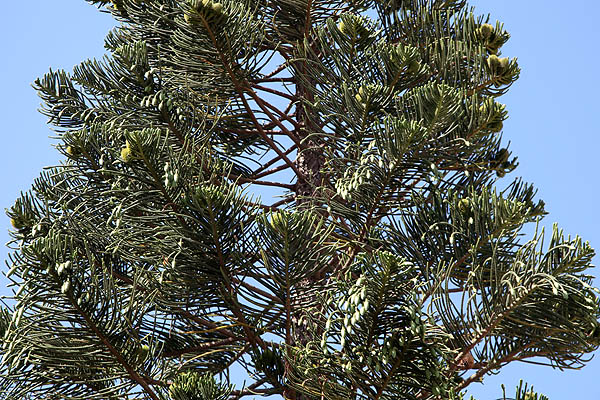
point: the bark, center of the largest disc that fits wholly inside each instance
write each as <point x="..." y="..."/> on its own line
<point x="309" y="162"/>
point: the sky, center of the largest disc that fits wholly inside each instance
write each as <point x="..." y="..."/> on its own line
<point x="552" y="124"/>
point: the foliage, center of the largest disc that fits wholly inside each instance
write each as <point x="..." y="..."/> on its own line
<point x="393" y="264"/>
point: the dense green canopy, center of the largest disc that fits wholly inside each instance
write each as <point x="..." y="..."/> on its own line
<point x="153" y="264"/>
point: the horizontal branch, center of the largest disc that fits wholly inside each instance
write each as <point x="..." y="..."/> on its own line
<point x="264" y="105"/>
<point x="288" y="186"/>
<point x="274" y="91"/>
<point x="287" y="79"/>
<point x="209" y="324"/>
<point x="203" y="346"/>
<point x="271" y="171"/>
<point x="277" y="70"/>
<point x="253" y="389"/>
<point x="276" y="205"/>
<point x="114" y="351"/>
<point x="257" y="290"/>
<point x="273" y="160"/>
<point x="240" y="89"/>
<point x="248" y="132"/>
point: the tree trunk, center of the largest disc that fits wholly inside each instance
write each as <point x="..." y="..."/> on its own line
<point x="309" y="161"/>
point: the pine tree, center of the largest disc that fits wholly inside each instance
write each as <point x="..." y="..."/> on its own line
<point x="153" y="264"/>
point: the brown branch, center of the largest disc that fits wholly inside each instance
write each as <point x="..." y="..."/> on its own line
<point x="481" y="86"/>
<point x="240" y="91"/>
<point x="266" y="207"/>
<point x="236" y="357"/>
<point x="262" y="392"/>
<point x="209" y="324"/>
<point x="282" y="202"/>
<point x="289" y="186"/>
<point x="477" y="375"/>
<point x="284" y="117"/>
<point x="274" y="91"/>
<point x="247" y="132"/>
<point x="114" y="351"/>
<point x="389" y="376"/>
<point x="236" y="394"/>
<point x="309" y="7"/>
<point x="235" y="308"/>
<point x="366" y="227"/>
<point x="273" y="161"/>
<point x="493" y="323"/>
<point x="266" y="138"/>
<point x="258" y="290"/>
<point x="271" y="171"/>
<point x="265" y="106"/>
<point x="272" y="124"/>
<point x="286" y="79"/>
<point x="203" y="346"/>
<point x="275" y="71"/>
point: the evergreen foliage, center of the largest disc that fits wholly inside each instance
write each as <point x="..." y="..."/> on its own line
<point x="391" y="266"/>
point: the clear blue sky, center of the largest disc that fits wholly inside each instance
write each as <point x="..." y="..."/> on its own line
<point x="553" y="124"/>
